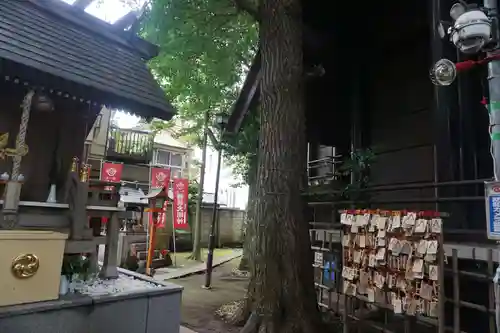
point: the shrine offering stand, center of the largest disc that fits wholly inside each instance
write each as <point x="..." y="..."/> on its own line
<point x="152" y="310"/>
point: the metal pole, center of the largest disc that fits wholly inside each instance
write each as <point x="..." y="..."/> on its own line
<point x="211" y="240"/>
<point x="199" y="201"/>
<point x="494" y="110"/>
<point x="150" y="215"/>
<point x="173" y="236"/>
<point x="151" y="238"/>
<point x="494" y="94"/>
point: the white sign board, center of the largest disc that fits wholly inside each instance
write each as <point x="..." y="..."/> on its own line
<point x="492" y="198"/>
<point x="318" y="258"/>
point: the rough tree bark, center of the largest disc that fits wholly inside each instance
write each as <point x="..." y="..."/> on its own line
<point x="281" y="292"/>
<point x="196" y="254"/>
<point x="246" y="259"/>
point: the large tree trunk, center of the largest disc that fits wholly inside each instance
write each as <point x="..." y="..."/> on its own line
<point x="196" y="254"/>
<point x="248" y="245"/>
<point x="282" y="284"/>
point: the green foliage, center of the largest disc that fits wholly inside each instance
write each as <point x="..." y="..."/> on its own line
<point x="206" y="48"/>
<point x="359" y="164"/>
<point x="159" y="125"/>
<point x="241" y="149"/>
<point x="76" y="264"/>
<point x="340" y="186"/>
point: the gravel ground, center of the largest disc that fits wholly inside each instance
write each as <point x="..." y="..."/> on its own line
<point x="199" y="305"/>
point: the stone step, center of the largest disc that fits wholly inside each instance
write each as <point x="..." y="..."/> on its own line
<point x="143" y="255"/>
<point x="159" y="263"/>
<point x="139" y="246"/>
<point x="156" y="263"/>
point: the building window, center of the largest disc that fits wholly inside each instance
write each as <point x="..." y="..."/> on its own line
<point x="162" y="157"/>
<point x="171" y="160"/>
<point x="176" y="160"/>
<point x="175" y="172"/>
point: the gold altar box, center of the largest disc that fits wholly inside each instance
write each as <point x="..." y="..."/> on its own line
<point x="30" y="265"/>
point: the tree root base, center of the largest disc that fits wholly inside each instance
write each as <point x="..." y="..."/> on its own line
<point x="255" y="324"/>
<point x="235" y="313"/>
<point x="193" y="257"/>
<point x="244" y="264"/>
<point x="239" y="273"/>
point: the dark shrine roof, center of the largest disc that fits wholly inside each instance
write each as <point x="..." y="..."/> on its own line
<point x="247" y="98"/>
<point x="93" y="57"/>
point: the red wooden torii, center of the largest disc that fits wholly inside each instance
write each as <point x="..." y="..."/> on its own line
<point x="158" y="199"/>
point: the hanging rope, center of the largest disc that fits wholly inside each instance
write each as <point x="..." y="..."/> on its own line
<point x="21" y="136"/>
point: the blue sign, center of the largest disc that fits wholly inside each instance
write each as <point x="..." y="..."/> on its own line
<point x="494" y="202"/>
<point x="492" y="194"/>
<point x="329" y="272"/>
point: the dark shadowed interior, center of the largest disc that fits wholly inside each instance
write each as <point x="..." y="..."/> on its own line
<point x="432" y="145"/>
<point x="376" y="93"/>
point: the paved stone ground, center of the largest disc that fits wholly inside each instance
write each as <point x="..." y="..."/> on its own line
<point x="199" y="305"/>
<point x="186" y="267"/>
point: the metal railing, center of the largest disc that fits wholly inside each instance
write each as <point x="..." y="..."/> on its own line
<point x="467" y="295"/>
<point x="130" y="145"/>
<point x="467" y="212"/>
<point x="322" y="170"/>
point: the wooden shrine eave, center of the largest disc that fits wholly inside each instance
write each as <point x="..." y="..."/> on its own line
<point x="82" y="4"/>
<point x="48" y="38"/>
<point x="78" y="17"/>
<point x="247" y="98"/>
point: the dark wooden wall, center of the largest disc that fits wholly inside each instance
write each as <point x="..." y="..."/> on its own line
<point x="401" y="123"/>
<point x="377" y="92"/>
<point x="52" y="137"/>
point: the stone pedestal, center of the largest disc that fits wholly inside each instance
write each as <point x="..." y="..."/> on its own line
<point x="30" y="265"/>
<point x="156" y="310"/>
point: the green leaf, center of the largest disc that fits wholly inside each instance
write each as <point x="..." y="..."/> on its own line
<point x="206" y="48"/>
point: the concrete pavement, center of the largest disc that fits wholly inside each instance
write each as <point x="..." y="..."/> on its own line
<point x="168" y="273"/>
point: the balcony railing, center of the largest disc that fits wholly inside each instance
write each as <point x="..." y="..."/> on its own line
<point x="127" y="145"/>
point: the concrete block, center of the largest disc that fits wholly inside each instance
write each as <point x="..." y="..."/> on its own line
<point x="74" y="320"/>
<point x="143" y="311"/>
<point x="164" y="313"/>
<point x="123" y="316"/>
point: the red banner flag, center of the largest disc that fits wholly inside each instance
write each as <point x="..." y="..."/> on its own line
<point x="180" y="203"/>
<point x="111" y="172"/>
<point x="160" y="177"/>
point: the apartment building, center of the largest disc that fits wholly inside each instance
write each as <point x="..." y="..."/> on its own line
<point x="137" y="148"/>
<point x="230" y="196"/>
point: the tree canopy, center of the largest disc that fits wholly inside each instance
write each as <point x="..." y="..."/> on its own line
<point x="206" y="49"/>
